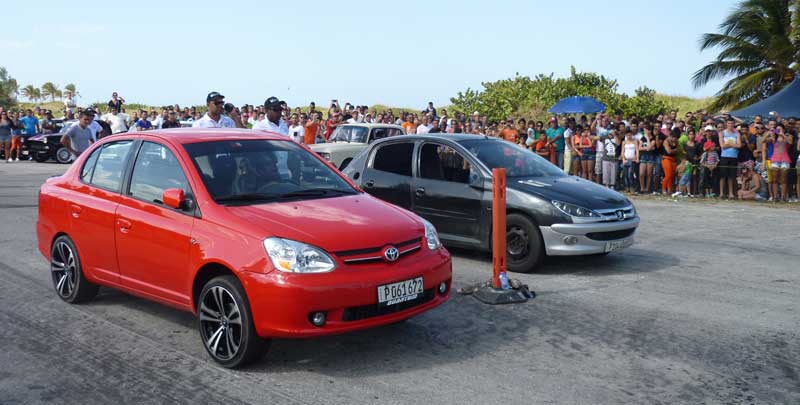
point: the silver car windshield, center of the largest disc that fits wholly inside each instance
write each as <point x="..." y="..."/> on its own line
<point x="348" y="133"/>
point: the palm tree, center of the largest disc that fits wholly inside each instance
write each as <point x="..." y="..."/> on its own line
<point x="30" y="92"/>
<point x="760" y="47"/>
<point x="50" y="90"/>
<point x="71" y="89"/>
<point x="12" y="87"/>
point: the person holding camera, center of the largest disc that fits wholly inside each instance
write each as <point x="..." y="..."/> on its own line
<point x="214" y="117"/>
<point x="116" y="102"/>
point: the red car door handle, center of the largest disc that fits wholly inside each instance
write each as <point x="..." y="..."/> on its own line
<point x="75" y="210"/>
<point x="124" y="225"/>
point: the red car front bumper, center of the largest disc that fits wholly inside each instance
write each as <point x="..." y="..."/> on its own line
<point x="282" y="303"/>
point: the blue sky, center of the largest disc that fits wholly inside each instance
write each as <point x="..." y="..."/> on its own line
<point x="399" y="53"/>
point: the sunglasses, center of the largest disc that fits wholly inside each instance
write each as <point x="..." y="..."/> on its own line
<point x="219" y="102"/>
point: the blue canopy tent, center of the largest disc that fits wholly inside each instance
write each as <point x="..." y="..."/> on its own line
<point x="785" y="102"/>
<point x="578" y="105"/>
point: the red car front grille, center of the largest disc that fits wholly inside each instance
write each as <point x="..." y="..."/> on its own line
<point x="373" y="254"/>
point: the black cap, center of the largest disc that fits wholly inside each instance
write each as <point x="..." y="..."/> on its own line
<point x="89" y="111"/>
<point x="272" y="102"/>
<point x="214" y="96"/>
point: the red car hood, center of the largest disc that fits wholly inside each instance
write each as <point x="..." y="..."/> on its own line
<point x="334" y="224"/>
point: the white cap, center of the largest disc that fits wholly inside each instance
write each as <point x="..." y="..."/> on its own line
<point x="709" y="128"/>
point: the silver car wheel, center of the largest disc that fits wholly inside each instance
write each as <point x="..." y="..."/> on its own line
<point x="220" y="323"/>
<point x="63" y="269"/>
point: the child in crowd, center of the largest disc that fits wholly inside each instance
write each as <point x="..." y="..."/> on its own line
<point x="751" y="185"/>
<point x="708" y="164"/>
<point x="544" y="148"/>
<point x="685" y="168"/>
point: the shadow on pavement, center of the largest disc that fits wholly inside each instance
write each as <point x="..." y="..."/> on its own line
<point x="628" y="261"/>
<point x="460" y="329"/>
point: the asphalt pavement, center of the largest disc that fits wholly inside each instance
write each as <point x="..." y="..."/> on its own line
<point x="704" y="308"/>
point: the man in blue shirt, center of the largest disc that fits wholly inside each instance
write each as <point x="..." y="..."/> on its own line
<point x="143" y="124"/>
<point x="555" y="136"/>
<point x="31" y="123"/>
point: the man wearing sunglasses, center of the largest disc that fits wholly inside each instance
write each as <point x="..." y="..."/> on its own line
<point x="274" y="122"/>
<point x="214" y="118"/>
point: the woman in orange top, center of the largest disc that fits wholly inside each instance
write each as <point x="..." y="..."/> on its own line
<point x="585" y="147"/>
<point x="668" y="161"/>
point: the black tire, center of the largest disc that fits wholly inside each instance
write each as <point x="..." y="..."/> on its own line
<point x="63" y="155"/>
<point x="345" y="163"/>
<point x="41" y="157"/>
<point x="226" y="323"/>
<point x="524" y="245"/>
<point x="67" y="273"/>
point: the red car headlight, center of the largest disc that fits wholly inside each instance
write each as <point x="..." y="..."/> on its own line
<point x="297" y="257"/>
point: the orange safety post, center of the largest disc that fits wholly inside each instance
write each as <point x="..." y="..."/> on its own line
<point x="498" y="224"/>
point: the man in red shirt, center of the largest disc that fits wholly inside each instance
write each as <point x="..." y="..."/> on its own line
<point x="510" y="133"/>
<point x="332" y="124"/>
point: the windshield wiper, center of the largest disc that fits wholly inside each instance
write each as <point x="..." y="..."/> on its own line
<point x="246" y="197"/>
<point x="316" y="192"/>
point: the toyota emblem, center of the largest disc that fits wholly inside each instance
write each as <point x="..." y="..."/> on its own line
<point x="391" y="254"/>
<point x="620" y="215"/>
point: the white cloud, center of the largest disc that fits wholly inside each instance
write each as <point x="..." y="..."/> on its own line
<point x="81" y="29"/>
<point x="69" y="29"/>
<point x="15" y="44"/>
<point x="66" y="45"/>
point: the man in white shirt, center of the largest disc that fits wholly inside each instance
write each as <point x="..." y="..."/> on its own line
<point x="424" y="128"/>
<point x="214" y="118"/>
<point x="273" y="122"/>
<point x="298" y="131"/>
<point x="116" y="121"/>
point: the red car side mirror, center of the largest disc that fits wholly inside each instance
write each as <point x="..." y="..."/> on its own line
<point x="174" y="198"/>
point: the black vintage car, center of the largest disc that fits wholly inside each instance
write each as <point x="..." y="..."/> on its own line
<point x="447" y="179"/>
<point x="42" y="148"/>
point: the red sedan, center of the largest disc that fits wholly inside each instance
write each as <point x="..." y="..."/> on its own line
<point x="253" y="233"/>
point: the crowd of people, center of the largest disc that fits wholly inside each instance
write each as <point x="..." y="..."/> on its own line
<point x="697" y="155"/>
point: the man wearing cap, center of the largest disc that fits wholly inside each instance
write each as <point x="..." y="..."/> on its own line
<point x="274" y="122"/>
<point x="79" y="137"/>
<point x="94" y="127"/>
<point x="48" y="124"/>
<point x="214" y="118"/>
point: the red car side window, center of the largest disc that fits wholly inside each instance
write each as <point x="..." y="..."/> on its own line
<point x="156" y="169"/>
<point x="110" y="164"/>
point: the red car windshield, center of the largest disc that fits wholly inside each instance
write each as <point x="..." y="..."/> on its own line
<point x="262" y="171"/>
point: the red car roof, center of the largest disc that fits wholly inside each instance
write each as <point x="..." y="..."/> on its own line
<point x="192" y="135"/>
